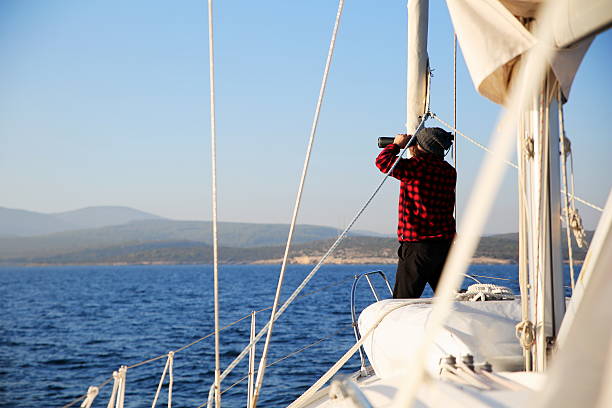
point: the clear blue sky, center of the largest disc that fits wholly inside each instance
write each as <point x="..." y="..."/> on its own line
<point x="106" y="103"/>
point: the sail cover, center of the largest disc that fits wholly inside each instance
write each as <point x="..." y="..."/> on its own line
<point x="493" y="38"/>
<point x="486" y="330"/>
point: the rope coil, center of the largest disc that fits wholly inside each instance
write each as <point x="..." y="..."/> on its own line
<point x="526" y="334"/>
<point x="485" y="291"/>
<point x="575" y="223"/>
<point x="528" y="148"/>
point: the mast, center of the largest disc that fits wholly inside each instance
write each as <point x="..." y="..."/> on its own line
<point x="495" y="38"/>
<point x="418" y="64"/>
<point x="541" y="180"/>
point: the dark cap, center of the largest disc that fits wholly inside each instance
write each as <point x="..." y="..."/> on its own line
<point x="433" y="140"/>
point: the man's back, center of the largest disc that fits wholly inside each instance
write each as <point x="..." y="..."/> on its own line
<point x="427" y="195"/>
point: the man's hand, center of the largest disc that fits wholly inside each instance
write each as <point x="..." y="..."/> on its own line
<point x="401" y="140"/>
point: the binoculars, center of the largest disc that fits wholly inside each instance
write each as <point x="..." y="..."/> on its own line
<point x="385" y="141"/>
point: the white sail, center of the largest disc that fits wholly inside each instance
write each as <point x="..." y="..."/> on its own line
<point x="493" y="37"/>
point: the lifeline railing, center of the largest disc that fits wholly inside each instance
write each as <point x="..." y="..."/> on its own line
<point x="93" y="391"/>
<point x="119" y="393"/>
<point x="363" y="369"/>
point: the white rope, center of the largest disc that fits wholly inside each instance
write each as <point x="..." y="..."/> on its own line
<point x="211" y="395"/>
<point x="524" y="227"/>
<point x="171" y="383"/>
<point x="92" y="393"/>
<point x="150" y="360"/>
<point x="469" y="139"/>
<point x="316" y="268"/>
<point x="119" y="403"/>
<point x="525" y="333"/>
<point x="455" y="98"/>
<point x="296" y="209"/>
<point x="213" y="147"/>
<point x="574" y="216"/>
<point x="285" y="357"/>
<point x="508" y="162"/>
<point x="113" y="397"/>
<point x="455" y="106"/>
<point x="338" y="365"/>
<point x="251" y="371"/>
<point x="564" y="153"/>
<point x="537" y="232"/>
<point x="593" y="206"/>
<point x="481" y="201"/>
<point x="161" y="381"/>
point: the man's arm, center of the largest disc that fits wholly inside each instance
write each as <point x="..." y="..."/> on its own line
<point x="388" y="155"/>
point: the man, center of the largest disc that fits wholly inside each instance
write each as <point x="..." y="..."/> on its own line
<point x="426" y="225"/>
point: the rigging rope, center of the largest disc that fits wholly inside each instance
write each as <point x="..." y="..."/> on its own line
<point x="169" y="364"/>
<point x="118" y="394"/>
<point x="455" y="107"/>
<point x="251" y="370"/>
<point x="298" y="200"/>
<point x="473" y="141"/>
<point x="575" y="222"/>
<point x="296" y="209"/>
<point x="213" y="148"/>
<point x="316" y="268"/>
<point x="108" y="380"/>
<point x="565" y="148"/>
<point x="92" y="393"/>
<point x="479" y="206"/>
<point x="293" y="353"/>
<point x="455" y="97"/>
<point x="113" y="396"/>
<point x="338" y="365"/>
<point x="525" y="152"/>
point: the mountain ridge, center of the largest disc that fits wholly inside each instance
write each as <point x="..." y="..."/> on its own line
<point x="231" y="234"/>
<point x="373" y="250"/>
<point x="24" y="223"/>
<point x="147" y="238"/>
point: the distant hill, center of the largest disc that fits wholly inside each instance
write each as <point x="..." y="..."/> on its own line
<point x="374" y="250"/>
<point x="239" y="235"/>
<point x="125" y="235"/>
<point x="22" y="223"/>
<point x="104" y="216"/>
<point x="14" y="222"/>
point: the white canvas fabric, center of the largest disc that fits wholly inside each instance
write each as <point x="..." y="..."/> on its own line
<point x="484" y="329"/>
<point x="585" y="347"/>
<point x="493" y="40"/>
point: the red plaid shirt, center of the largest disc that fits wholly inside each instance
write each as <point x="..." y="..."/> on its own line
<point x="427" y="195"/>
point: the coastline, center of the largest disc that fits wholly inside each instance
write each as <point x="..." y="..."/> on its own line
<point x="297" y="260"/>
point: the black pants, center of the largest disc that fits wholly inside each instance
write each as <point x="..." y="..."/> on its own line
<point x="419" y="263"/>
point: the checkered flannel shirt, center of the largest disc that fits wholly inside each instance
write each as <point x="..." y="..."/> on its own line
<point x="427" y="195"/>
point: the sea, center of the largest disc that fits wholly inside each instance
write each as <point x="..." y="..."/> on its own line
<point x="65" y="328"/>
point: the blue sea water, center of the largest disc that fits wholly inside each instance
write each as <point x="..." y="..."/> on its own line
<point x="63" y="329"/>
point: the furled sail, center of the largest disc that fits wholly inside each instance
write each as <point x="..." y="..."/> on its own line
<point x="493" y="35"/>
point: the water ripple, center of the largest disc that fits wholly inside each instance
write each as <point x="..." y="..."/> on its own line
<point x="65" y="328"/>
